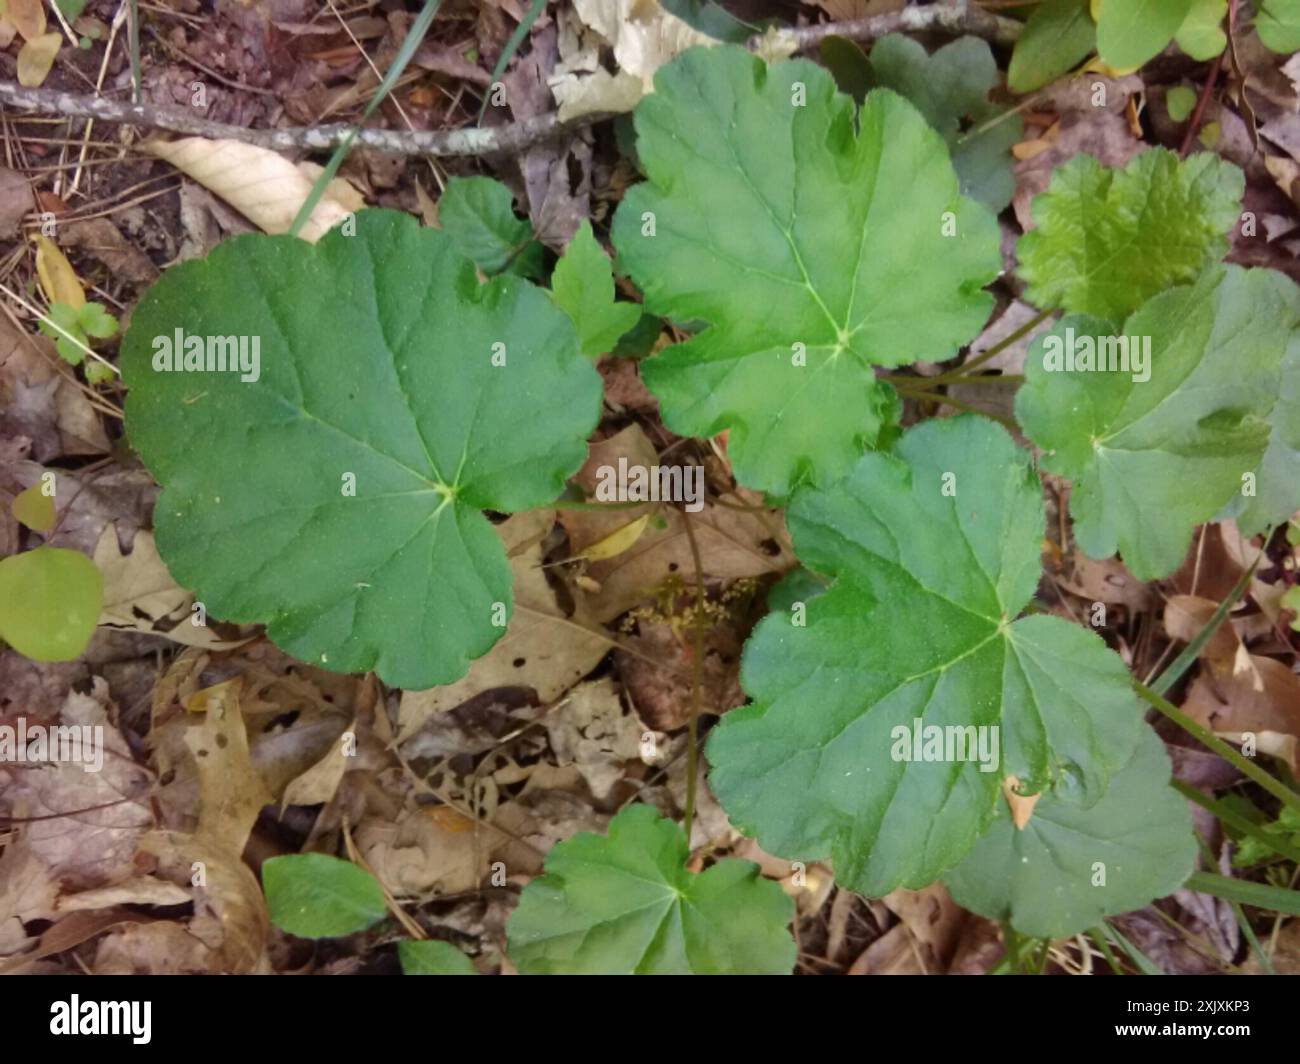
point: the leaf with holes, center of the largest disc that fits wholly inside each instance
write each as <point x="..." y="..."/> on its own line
<point x="625" y="904"/>
<point x="1069" y="867"/>
<point x="1108" y="240"/>
<point x="1174" y="423"/>
<point x="810" y="241"/>
<point x="332" y="484"/>
<point x="934" y="551"/>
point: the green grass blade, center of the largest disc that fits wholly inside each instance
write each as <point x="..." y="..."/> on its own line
<point x="512" y="46"/>
<point x="1260" y="895"/>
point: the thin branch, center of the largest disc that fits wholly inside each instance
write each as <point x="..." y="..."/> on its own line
<point x="511" y="138"/>
<point x="958" y="16"/>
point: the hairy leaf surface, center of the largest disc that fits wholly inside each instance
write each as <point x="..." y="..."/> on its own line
<point x="338" y="497"/>
<point x="920" y="623"/>
<point x="1108" y="240"/>
<point x="808" y="238"/>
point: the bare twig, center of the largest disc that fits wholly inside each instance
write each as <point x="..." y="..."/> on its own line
<point x="955" y="16"/>
<point x="510" y="138"/>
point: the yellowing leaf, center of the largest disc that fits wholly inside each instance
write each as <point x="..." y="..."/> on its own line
<point x="36" y="59"/>
<point x="263" y="186"/>
<point x="28" y="16"/>
<point x="617" y="542"/>
<point x="49" y="602"/>
<point x="59" y="280"/>
<point x="34" y="508"/>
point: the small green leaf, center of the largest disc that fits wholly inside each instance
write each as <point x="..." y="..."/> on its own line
<point x="849" y="65"/>
<point x="624" y="903"/>
<point x="1155" y="451"/>
<point x="1286" y="829"/>
<point x="583" y="286"/>
<point x="1129" y="32"/>
<point x="1278" y="25"/>
<point x="34" y="508"/>
<point x="96" y="321"/>
<point x="1181" y="101"/>
<point x="335" y="491"/>
<point x="432" y="957"/>
<point x="478" y="214"/>
<point x="1069" y="867"/>
<point x="1058" y="36"/>
<point x="934" y="551"/>
<point x="71" y="9"/>
<point x="951" y="88"/>
<point x="1201" y="35"/>
<point x="313" y="895"/>
<point x="64" y="327"/>
<point x="1108" y="240"/>
<point x="811" y="240"/>
<point x="50" y="601"/>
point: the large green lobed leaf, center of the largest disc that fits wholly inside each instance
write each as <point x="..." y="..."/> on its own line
<point x="625" y="904"/>
<point x="1151" y="459"/>
<point x="376" y="361"/>
<point x="782" y="217"/>
<point x="920" y="622"/>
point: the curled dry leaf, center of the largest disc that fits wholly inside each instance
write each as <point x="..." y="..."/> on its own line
<point x="263" y="186"/>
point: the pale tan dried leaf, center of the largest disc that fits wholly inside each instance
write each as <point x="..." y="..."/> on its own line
<point x="28" y="17"/>
<point x="36" y="59"/>
<point x="138" y="890"/>
<point x="262" y="185"/>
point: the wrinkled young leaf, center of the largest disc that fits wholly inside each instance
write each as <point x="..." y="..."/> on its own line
<point x="583" y="286"/>
<point x="1058" y="36"/>
<point x="1129" y="32"/>
<point x="50" y="599"/>
<point x="1278" y="24"/>
<point x="625" y="904"/>
<point x="337" y="498"/>
<point x="1108" y="240"/>
<point x="1069" y="867"/>
<point x="432" y="957"/>
<point x="1150" y="459"/>
<point x="810" y="248"/>
<point x="951" y="88"/>
<point x="478" y="214"/>
<point x="313" y="895"/>
<point x="935" y="551"/>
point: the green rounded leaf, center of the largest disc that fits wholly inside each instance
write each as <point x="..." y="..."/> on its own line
<point x="1129" y="32"/>
<point x="1201" y="35"/>
<point x="1278" y="24"/>
<point x="1069" y="866"/>
<point x="50" y="600"/>
<point x="809" y="239"/>
<point x="313" y="895"/>
<point x="1152" y="458"/>
<point x="433" y="958"/>
<point x="338" y="496"/>
<point x="935" y="551"/>
<point x="625" y="904"/>
<point x="1058" y="36"/>
<point x="1108" y="240"/>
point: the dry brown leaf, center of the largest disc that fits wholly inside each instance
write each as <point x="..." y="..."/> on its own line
<point x="1231" y="707"/>
<point x="543" y="647"/>
<point x="1107" y="581"/>
<point x="16" y="200"/>
<point x="140" y="595"/>
<point x="1186" y="616"/>
<point x="40" y="400"/>
<point x="1021" y="805"/>
<point x="262" y="185"/>
<point x="593" y="731"/>
<point x="28" y="17"/>
<point x="137" y="890"/>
